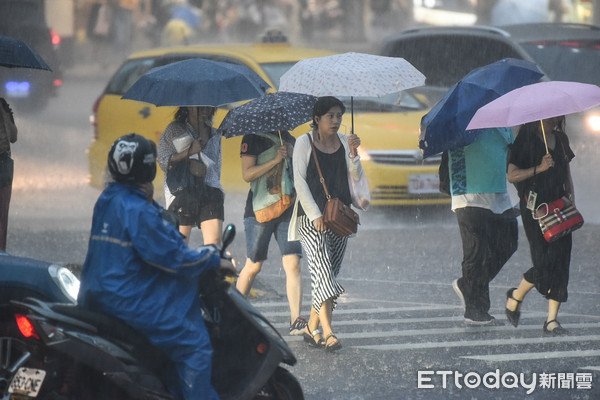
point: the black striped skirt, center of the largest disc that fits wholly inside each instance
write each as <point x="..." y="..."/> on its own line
<point x="324" y="253"/>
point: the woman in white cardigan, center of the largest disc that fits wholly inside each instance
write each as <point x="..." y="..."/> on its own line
<point x="343" y="174"/>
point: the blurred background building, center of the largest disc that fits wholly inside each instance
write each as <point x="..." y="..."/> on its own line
<point x="112" y="28"/>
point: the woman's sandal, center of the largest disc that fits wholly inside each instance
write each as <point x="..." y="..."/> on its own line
<point x="333" y="347"/>
<point x="513" y="316"/>
<point x="310" y="338"/>
<point x="557" y="331"/>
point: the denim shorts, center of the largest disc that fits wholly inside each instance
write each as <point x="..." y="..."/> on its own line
<point x="258" y="236"/>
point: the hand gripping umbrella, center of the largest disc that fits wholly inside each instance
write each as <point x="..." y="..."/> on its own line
<point x="534" y="102"/>
<point x="351" y="74"/>
<point x="444" y="126"/>
<point x="15" y="53"/>
<point x="197" y="82"/>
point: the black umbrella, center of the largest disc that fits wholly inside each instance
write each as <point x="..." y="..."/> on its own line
<point x="15" y="53"/>
<point x="279" y="111"/>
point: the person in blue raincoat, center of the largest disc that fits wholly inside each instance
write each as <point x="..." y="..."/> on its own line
<point x="139" y="269"/>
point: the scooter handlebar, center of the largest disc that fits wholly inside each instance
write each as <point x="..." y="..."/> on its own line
<point x="228" y="236"/>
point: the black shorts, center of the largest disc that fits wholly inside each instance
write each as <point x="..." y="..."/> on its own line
<point x="206" y="206"/>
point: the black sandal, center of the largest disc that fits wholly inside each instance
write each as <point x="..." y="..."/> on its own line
<point x="557" y="331"/>
<point x="336" y="346"/>
<point x="513" y="316"/>
<point x="310" y="338"/>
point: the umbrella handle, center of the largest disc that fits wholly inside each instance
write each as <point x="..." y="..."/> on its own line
<point x="544" y="135"/>
<point x="352" y="113"/>
<point x="281" y="140"/>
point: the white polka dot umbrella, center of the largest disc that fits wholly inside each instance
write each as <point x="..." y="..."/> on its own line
<point x="351" y="74"/>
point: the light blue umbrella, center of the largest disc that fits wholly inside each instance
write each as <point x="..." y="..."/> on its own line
<point x="197" y="82"/>
<point x="444" y="126"/>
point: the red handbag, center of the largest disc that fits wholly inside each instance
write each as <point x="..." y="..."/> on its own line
<point x="337" y="216"/>
<point x="558" y="218"/>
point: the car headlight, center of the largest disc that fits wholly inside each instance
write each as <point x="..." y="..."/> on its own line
<point x="593" y="122"/>
<point x="363" y="154"/>
<point x="65" y="280"/>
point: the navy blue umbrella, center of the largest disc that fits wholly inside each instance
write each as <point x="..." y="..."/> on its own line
<point x="197" y="82"/>
<point x="444" y="126"/>
<point x="280" y="111"/>
<point x="15" y="53"/>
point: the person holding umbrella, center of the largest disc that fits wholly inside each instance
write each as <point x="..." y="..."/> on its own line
<point x="542" y="175"/>
<point x="201" y="204"/>
<point x="266" y="165"/>
<point x="14" y="53"/>
<point x="266" y="152"/>
<point x="486" y="219"/>
<point x="340" y="166"/>
<point x="475" y="162"/>
<point x="8" y="135"/>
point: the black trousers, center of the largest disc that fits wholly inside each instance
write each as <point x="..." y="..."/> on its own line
<point x="488" y="241"/>
<point x="550" y="270"/>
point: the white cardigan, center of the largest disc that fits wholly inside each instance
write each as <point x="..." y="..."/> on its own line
<point x="301" y="158"/>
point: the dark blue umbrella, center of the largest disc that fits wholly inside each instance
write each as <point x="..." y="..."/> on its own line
<point x="15" y="53"/>
<point x="197" y="82"/>
<point x="443" y="127"/>
<point x="280" y="111"/>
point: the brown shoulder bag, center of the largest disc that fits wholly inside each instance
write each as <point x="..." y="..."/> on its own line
<point x="337" y="216"/>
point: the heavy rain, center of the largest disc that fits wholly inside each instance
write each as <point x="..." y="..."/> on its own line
<point x="400" y="322"/>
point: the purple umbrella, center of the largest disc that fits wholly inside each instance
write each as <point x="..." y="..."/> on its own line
<point x="535" y="102"/>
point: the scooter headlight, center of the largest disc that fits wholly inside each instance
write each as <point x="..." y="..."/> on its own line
<point x="65" y="280"/>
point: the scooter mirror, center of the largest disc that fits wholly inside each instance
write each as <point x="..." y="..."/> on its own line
<point x="228" y="236"/>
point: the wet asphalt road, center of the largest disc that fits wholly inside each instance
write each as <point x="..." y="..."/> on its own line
<point x="399" y="315"/>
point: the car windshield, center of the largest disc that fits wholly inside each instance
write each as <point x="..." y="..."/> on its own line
<point x="573" y="60"/>
<point x="395" y="102"/>
<point x="133" y="69"/>
<point x="445" y="59"/>
<point x="275" y="70"/>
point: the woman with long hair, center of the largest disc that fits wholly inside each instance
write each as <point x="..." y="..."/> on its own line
<point x="542" y="176"/>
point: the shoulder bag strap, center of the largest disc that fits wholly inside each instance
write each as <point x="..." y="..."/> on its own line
<point x="314" y="153"/>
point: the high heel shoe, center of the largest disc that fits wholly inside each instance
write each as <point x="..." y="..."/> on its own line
<point x="513" y="316"/>
<point x="557" y="331"/>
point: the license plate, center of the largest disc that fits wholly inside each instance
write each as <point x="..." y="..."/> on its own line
<point x="423" y="183"/>
<point x="27" y="381"/>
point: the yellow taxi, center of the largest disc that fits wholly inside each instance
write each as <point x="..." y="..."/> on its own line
<point x="388" y="126"/>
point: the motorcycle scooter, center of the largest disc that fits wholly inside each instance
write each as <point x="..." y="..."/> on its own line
<point x="57" y="350"/>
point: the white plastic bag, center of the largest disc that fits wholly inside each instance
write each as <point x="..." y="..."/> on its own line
<point x="360" y="192"/>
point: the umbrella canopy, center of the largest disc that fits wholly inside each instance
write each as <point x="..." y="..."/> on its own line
<point x="351" y="74"/>
<point x="444" y="127"/>
<point x="280" y="111"/>
<point x="535" y="102"/>
<point x="15" y="53"/>
<point x="197" y="82"/>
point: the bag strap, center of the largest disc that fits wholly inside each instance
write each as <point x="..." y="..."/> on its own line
<point x="314" y="153"/>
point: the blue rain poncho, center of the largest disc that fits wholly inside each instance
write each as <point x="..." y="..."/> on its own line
<point x="139" y="269"/>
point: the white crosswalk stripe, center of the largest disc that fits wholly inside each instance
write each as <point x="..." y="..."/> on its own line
<point x="375" y="326"/>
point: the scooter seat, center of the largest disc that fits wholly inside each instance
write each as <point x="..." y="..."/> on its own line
<point x="116" y="329"/>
